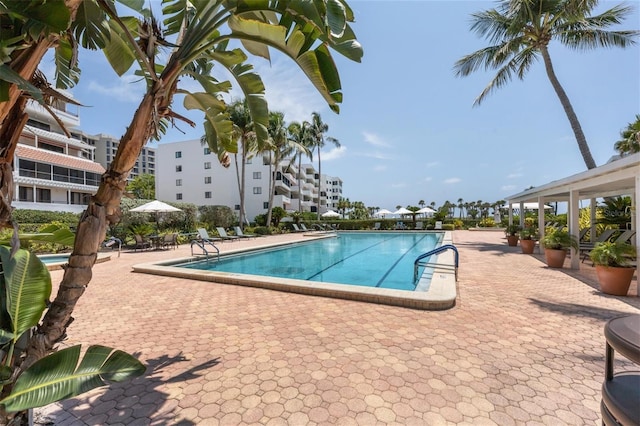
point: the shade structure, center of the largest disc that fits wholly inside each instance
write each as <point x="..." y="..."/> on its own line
<point x="382" y="213"/>
<point x="155" y="207"/>
<point x="330" y="213"/>
<point x="427" y="211"/>
<point x="530" y="206"/>
<point x="402" y="211"/>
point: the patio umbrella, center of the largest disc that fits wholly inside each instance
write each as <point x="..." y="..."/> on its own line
<point x="427" y="211"/>
<point x="330" y="213"/>
<point x="382" y="213"/>
<point x="402" y="211"/>
<point x="156" y="207"/>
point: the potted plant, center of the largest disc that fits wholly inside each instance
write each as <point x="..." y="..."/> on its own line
<point x="613" y="266"/>
<point x="511" y="231"/>
<point x="556" y="243"/>
<point x="528" y="238"/>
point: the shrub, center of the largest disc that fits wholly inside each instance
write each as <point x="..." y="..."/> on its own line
<point x="214" y="216"/>
<point x="487" y="223"/>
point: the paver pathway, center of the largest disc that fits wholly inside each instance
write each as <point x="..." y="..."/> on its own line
<point x="524" y="345"/>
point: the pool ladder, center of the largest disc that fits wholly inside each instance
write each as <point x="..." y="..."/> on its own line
<point x="437" y="250"/>
<point x="201" y="245"/>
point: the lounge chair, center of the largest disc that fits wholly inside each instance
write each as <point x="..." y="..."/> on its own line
<point x="376" y="226"/>
<point x="241" y="234"/>
<point x="624" y="237"/>
<point x="419" y="226"/>
<point x="295" y="228"/>
<point x="586" y="247"/>
<point x="141" y="243"/>
<point x="400" y="225"/>
<point x="438" y="225"/>
<point x="226" y="237"/>
<point x="304" y="228"/>
<point x="170" y="240"/>
<point x="204" y="236"/>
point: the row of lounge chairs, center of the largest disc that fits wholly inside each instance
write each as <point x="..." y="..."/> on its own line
<point x="222" y="235"/>
<point x="606" y="235"/>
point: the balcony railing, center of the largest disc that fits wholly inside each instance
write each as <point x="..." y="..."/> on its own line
<point x="58" y="177"/>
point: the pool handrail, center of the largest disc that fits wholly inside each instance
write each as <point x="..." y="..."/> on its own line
<point x="201" y="244"/>
<point x="436" y="250"/>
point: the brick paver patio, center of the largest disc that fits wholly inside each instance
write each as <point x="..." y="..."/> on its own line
<point x="524" y="345"/>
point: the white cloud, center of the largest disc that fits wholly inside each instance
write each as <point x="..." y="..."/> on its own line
<point x="124" y="89"/>
<point x="374" y="139"/>
<point x="334" y="154"/>
<point x="514" y="175"/>
<point x="398" y="185"/>
<point x="507" y="187"/>
<point x="433" y="164"/>
<point x="380" y="168"/>
<point x="428" y="179"/>
<point x="452" y="180"/>
<point x="377" y="155"/>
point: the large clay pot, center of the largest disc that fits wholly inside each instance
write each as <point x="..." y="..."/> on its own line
<point x="555" y="258"/>
<point x="512" y="240"/>
<point x="614" y="280"/>
<point x="527" y="246"/>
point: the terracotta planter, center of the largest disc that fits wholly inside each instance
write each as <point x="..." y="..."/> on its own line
<point x="614" y="280"/>
<point x="512" y="240"/>
<point x="555" y="258"/>
<point x="527" y="246"/>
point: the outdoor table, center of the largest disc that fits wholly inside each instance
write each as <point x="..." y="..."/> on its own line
<point x="156" y="240"/>
<point x="621" y="392"/>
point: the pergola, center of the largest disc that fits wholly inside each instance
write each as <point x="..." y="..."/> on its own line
<point x="619" y="177"/>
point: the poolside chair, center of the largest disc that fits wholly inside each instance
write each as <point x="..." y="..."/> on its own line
<point x="141" y="243"/>
<point x="170" y="240"/>
<point x="304" y="228"/>
<point x="400" y="225"/>
<point x="419" y="226"/>
<point x="295" y="228"/>
<point x="587" y="246"/>
<point x="241" y="234"/>
<point x="226" y="237"/>
<point x="624" y="237"/>
<point x="376" y="226"/>
<point x="204" y="236"/>
<point x="438" y="225"/>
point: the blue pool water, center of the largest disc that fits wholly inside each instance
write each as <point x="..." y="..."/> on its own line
<point x="54" y="258"/>
<point x="372" y="259"/>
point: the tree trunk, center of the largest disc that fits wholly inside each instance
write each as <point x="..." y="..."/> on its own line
<point x="103" y="209"/>
<point x="272" y="189"/>
<point x="568" y="109"/>
<point x="319" y="180"/>
<point x="299" y="183"/>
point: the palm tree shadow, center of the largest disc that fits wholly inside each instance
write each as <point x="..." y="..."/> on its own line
<point x="131" y="401"/>
<point x="577" y="310"/>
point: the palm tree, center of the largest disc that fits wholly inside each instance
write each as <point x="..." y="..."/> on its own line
<point x="243" y="133"/>
<point x="282" y="146"/>
<point x="460" y="206"/>
<point x="301" y="134"/>
<point x="343" y="205"/>
<point x="630" y="142"/>
<point x="318" y="128"/>
<point x="203" y="30"/>
<point x="421" y="203"/>
<point x="523" y="29"/>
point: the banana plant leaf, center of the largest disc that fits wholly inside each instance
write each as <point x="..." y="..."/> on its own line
<point x="58" y="376"/>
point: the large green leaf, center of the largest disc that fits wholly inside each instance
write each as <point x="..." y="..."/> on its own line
<point x="58" y="376"/>
<point x="90" y="26"/>
<point x="118" y="51"/>
<point x="218" y="127"/>
<point x="67" y="72"/>
<point x="41" y="17"/>
<point x="28" y="287"/>
<point x="8" y="77"/>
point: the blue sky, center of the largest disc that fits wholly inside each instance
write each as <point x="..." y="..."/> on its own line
<point x="407" y="126"/>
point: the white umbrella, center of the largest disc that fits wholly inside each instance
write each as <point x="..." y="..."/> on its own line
<point x="330" y="213"/>
<point x="402" y="211"/>
<point x="427" y="211"/>
<point x="382" y="213"/>
<point x="156" y="207"/>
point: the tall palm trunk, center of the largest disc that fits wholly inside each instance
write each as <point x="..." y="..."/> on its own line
<point x="103" y="209"/>
<point x="299" y="183"/>
<point x="235" y="159"/>
<point x="568" y="109"/>
<point x="272" y="190"/>
<point x="319" y="180"/>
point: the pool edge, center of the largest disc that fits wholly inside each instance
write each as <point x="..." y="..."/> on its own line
<point x="440" y="296"/>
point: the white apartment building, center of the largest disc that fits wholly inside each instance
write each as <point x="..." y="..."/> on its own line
<point x="51" y="171"/>
<point x="105" y="150"/>
<point x="188" y="172"/>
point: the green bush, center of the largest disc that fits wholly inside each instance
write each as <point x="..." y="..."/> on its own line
<point x="487" y="223"/>
<point x="39" y="217"/>
<point x="214" y="216"/>
<point x="448" y="227"/>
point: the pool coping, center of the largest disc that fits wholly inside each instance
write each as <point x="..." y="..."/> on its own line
<point x="441" y="293"/>
<point x="102" y="257"/>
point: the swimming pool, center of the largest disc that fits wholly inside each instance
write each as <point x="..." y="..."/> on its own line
<point x="435" y="289"/>
<point x="56" y="261"/>
<point x="382" y="259"/>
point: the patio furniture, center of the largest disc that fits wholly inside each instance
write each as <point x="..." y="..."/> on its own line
<point x="170" y="240"/>
<point x="419" y="226"/>
<point x="204" y="236"/>
<point x="621" y="392"/>
<point x="223" y="234"/>
<point x="438" y="225"/>
<point x="240" y="233"/>
<point x="141" y="243"/>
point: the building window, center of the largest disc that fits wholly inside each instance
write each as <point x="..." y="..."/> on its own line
<point x="207" y="194"/>
<point x="207" y="179"/>
<point x="178" y="154"/>
<point x="257" y="190"/>
<point x="207" y="151"/>
<point x="179" y="196"/>
<point x="43" y="195"/>
<point x="265" y="205"/>
<point x="178" y="182"/>
<point x="257" y="175"/>
<point x="207" y="165"/>
<point x="237" y="207"/>
<point x="178" y="168"/>
<point x="79" y="198"/>
<point x="25" y="193"/>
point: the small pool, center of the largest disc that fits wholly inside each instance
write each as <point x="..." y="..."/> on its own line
<point x="55" y="261"/>
<point x="369" y="266"/>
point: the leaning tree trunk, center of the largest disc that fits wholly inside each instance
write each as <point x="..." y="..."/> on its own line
<point x="568" y="109"/>
<point x="319" y="181"/>
<point x="103" y="209"/>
